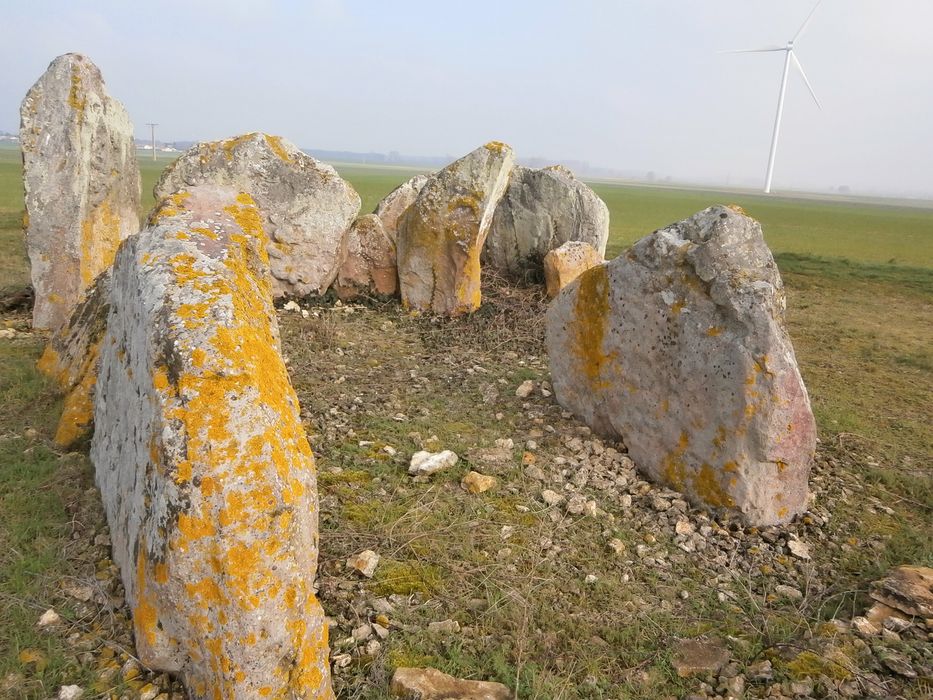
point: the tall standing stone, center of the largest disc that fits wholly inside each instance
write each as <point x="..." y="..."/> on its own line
<point x="679" y="348"/>
<point x="207" y="478"/>
<point x="306" y="207"/>
<point x="81" y="183"/>
<point x="442" y="234"/>
<point x="370" y="266"/>
<point x="541" y="210"/>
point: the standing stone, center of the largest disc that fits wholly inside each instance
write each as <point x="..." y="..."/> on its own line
<point x="394" y="204"/>
<point x="679" y="348"/>
<point x="564" y="264"/>
<point x="306" y="207"/>
<point x="441" y="235"/>
<point x="370" y="266"/>
<point x="71" y="360"/>
<point x="541" y="210"/>
<point x="81" y="183"/>
<point x="207" y="478"/>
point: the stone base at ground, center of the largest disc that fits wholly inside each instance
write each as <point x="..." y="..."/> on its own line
<point x="679" y="348"/>
<point x="206" y="475"/>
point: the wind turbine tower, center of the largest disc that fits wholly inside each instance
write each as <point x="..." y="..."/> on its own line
<point x="789" y="57"/>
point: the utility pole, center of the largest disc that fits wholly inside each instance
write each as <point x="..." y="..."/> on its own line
<point x="152" y="128"/>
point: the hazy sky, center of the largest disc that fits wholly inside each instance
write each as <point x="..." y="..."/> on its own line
<point x="635" y="85"/>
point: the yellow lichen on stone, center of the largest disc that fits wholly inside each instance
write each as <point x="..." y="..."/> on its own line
<point x="100" y="238"/>
<point x="591" y="311"/>
<point x="275" y="143"/>
<point x="76" y="99"/>
<point x="229" y="146"/>
<point x="78" y="410"/>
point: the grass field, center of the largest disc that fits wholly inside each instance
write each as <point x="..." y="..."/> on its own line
<point x="860" y="310"/>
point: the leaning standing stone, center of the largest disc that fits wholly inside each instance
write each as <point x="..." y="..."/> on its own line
<point x="394" y="204"/>
<point x="306" y="207"/>
<point x="81" y="183"/>
<point x="679" y="348"/>
<point x="541" y="210"/>
<point x="207" y="478"/>
<point x="441" y="235"/>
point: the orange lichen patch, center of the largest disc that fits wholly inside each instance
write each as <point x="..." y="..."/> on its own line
<point x="76" y="97"/>
<point x="145" y="617"/>
<point x="737" y="209"/>
<point x="591" y="310"/>
<point x="50" y="364"/>
<point x="678" y="306"/>
<point x="170" y="206"/>
<point x="204" y="231"/>
<point x="496" y="147"/>
<point x="469" y="293"/>
<point x="230" y="145"/>
<point x="673" y="467"/>
<point x="275" y="143"/>
<point x="160" y="378"/>
<point x="206" y="591"/>
<point x="707" y="487"/>
<point x="100" y="238"/>
<point x="713" y="331"/>
<point x="194" y="527"/>
<point x="78" y="410"/>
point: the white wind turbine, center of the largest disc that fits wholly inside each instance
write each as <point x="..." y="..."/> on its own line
<point x="789" y="57"/>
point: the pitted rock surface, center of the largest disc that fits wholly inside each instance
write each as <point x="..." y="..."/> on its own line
<point x="679" y="348"/>
<point x="71" y="360"/>
<point x="81" y="183"/>
<point x="442" y="234"/>
<point x="564" y="264"/>
<point x="370" y="266"/>
<point x="306" y="207"/>
<point x="394" y="204"/>
<point x="207" y="479"/>
<point x="541" y="210"/>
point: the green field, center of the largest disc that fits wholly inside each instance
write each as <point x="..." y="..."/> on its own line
<point x="859" y="278"/>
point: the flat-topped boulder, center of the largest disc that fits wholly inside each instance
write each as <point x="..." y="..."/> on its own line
<point x="81" y="184"/>
<point x="567" y="262"/>
<point x="442" y="234"/>
<point x="679" y="348"/>
<point x="306" y="207"/>
<point x="540" y="210"/>
<point x="207" y="478"/>
<point x="370" y="266"/>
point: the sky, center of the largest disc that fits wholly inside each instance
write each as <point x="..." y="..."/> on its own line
<point x="637" y="86"/>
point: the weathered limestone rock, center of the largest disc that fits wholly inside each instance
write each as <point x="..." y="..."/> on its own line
<point x="908" y="589"/>
<point x="81" y="183"/>
<point x="431" y="684"/>
<point x="424" y="463"/>
<point x="679" y="348"/>
<point x="394" y="204"/>
<point x="541" y="210"/>
<point x="441" y="235"/>
<point x="370" y="266"/>
<point x="306" y="207"/>
<point x="71" y="359"/>
<point x="207" y="478"/>
<point x="564" y="264"/>
<point x="694" y="657"/>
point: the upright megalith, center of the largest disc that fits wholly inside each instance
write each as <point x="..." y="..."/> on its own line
<point x="306" y="207"/>
<point x="207" y="478"/>
<point x="81" y="183"/>
<point x="679" y="348"/>
<point x="541" y="210"/>
<point x="441" y="235"/>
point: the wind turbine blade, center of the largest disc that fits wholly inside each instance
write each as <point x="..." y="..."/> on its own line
<point x="761" y="50"/>
<point x="806" y="21"/>
<point x="804" y="76"/>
